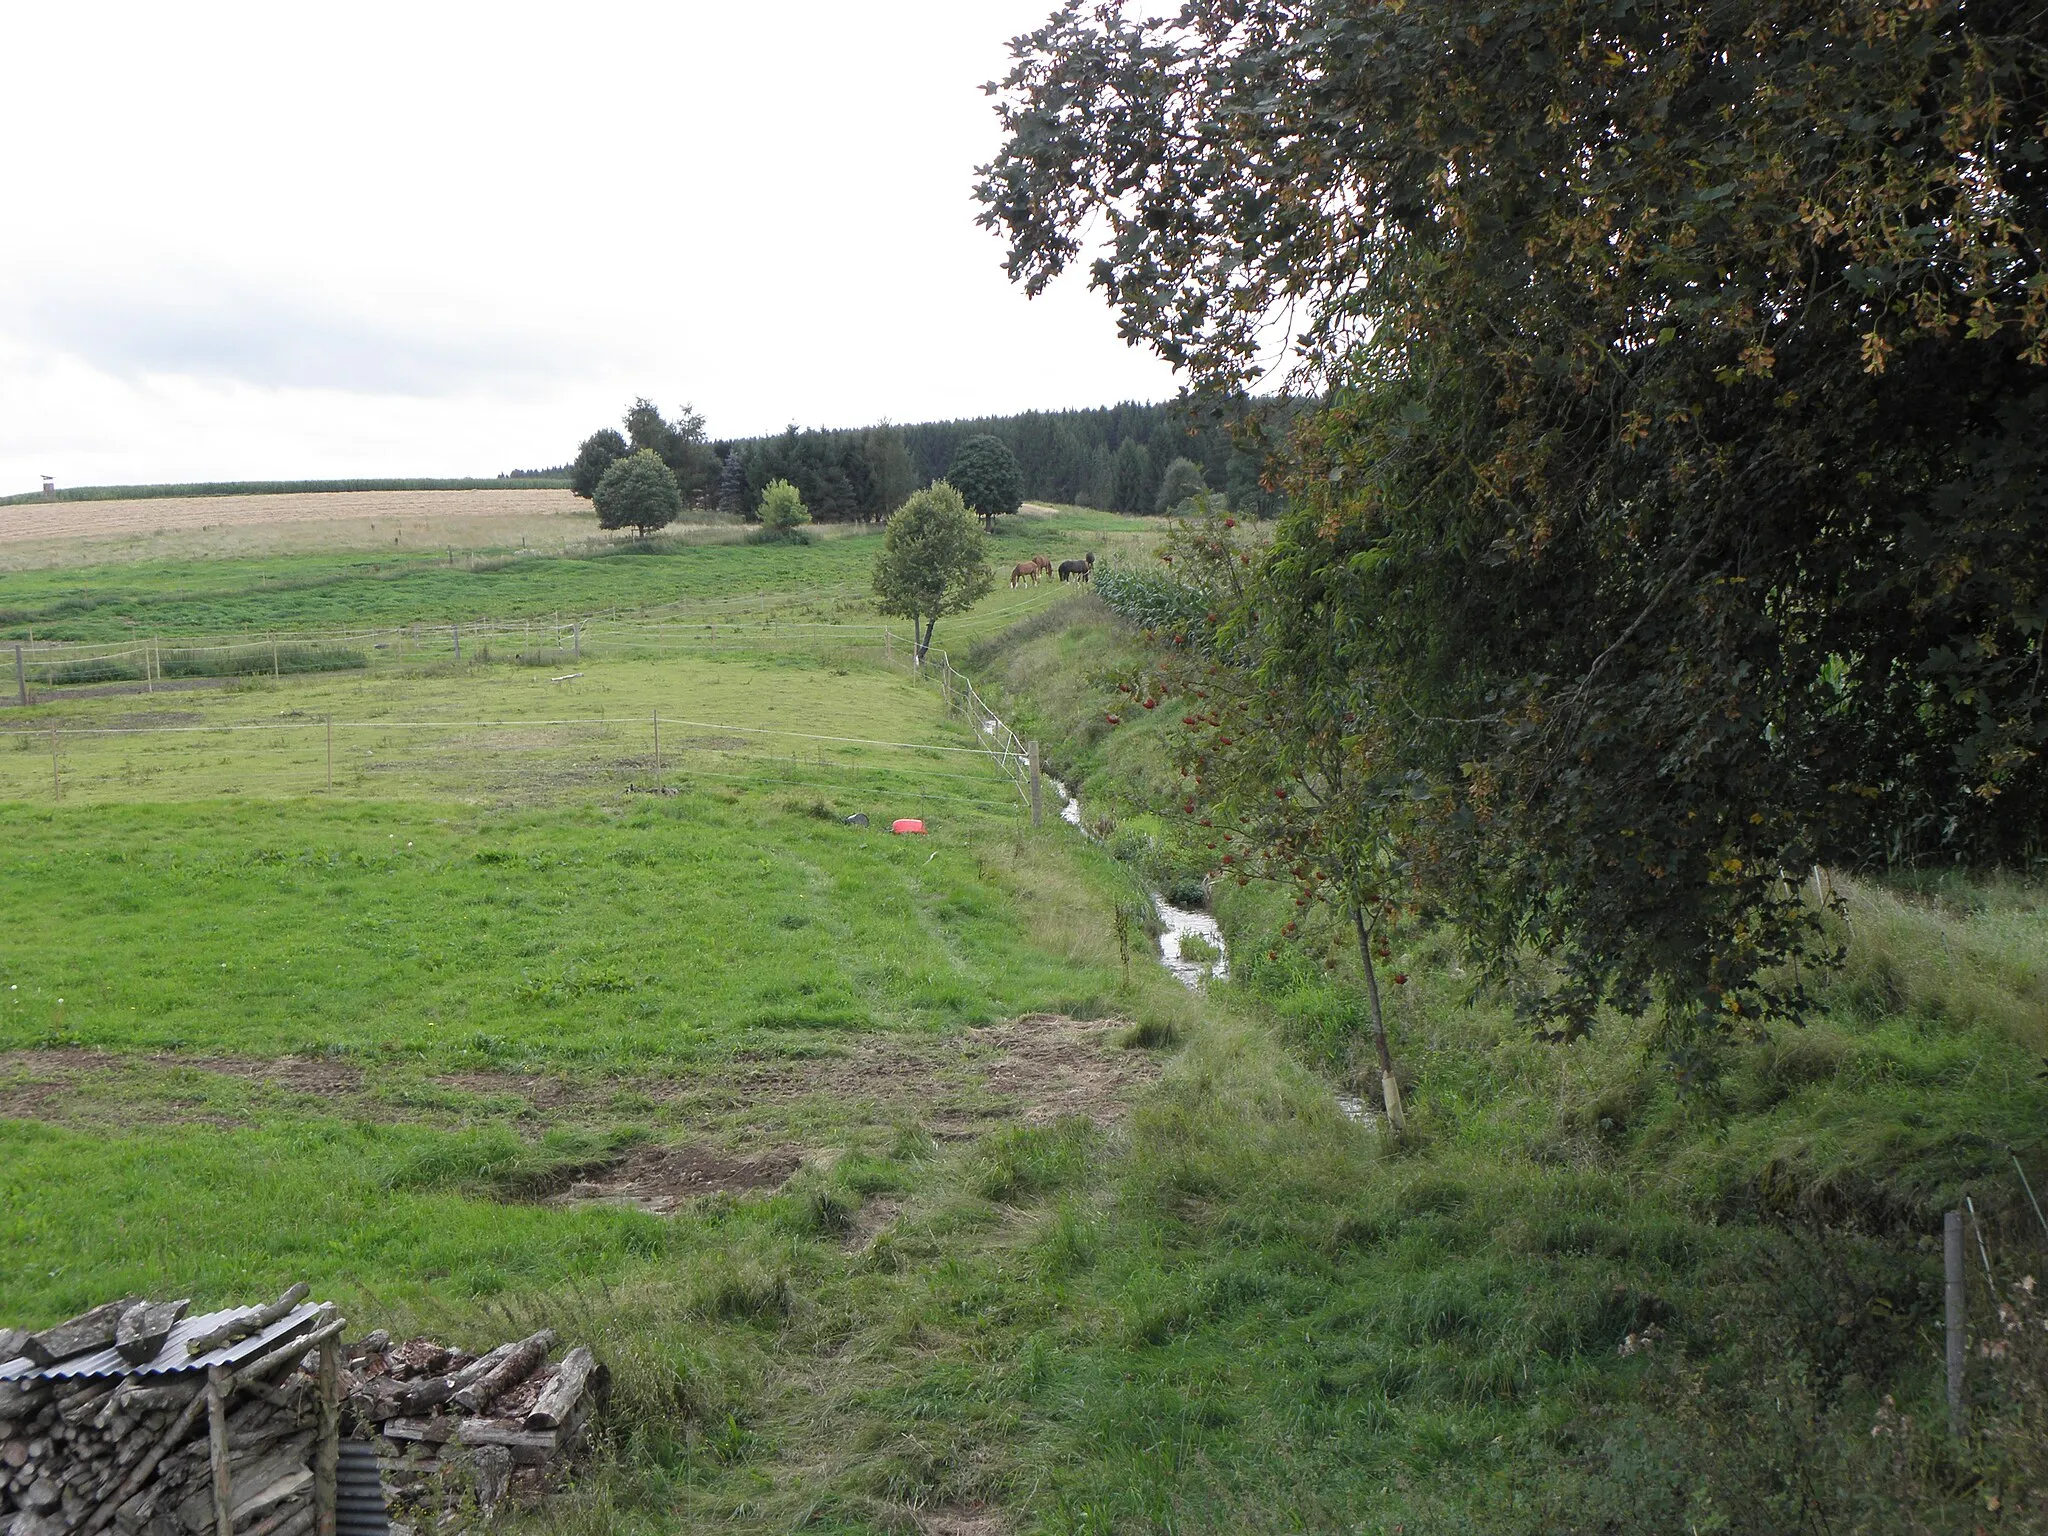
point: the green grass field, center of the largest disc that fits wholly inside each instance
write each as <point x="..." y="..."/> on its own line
<point x="360" y="590"/>
<point x="1009" y="1232"/>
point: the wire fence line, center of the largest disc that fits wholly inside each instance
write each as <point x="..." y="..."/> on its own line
<point x="49" y="665"/>
<point x="1003" y="746"/>
<point x="514" y="760"/>
<point x="45" y="665"/>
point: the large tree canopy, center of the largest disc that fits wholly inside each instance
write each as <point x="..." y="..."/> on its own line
<point x="638" y="491"/>
<point x="986" y="474"/>
<point x="1678" y="475"/>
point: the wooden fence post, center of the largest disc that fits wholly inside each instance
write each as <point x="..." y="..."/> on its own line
<point x="330" y="753"/>
<point x="327" y="1442"/>
<point x="576" y="633"/>
<point x="657" y="748"/>
<point x="275" y="671"/>
<point x="56" y="778"/>
<point x="217" y="1452"/>
<point x="20" y="677"/>
<point x="456" y="629"/>
<point x="1955" y="1299"/>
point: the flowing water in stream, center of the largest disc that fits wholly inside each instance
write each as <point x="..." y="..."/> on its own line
<point x="1179" y="922"/>
<point x="1183" y="922"/>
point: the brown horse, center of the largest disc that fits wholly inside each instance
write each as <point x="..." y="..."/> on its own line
<point x="1028" y="571"/>
<point x="1044" y="565"/>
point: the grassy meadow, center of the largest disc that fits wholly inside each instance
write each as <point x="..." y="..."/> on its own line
<point x="1008" y="1231"/>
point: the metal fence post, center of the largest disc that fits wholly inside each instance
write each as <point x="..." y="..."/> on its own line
<point x="1955" y="1299"/>
<point x="330" y="752"/>
<point x="1037" y="790"/>
<point x="57" y="777"/>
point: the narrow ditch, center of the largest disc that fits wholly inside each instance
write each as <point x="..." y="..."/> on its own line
<point x="1182" y="922"/>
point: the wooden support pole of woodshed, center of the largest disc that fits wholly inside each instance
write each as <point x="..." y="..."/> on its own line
<point x="217" y="1451"/>
<point x="327" y="1442"/>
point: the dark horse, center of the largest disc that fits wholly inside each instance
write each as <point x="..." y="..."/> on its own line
<point x="1077" y="568"/>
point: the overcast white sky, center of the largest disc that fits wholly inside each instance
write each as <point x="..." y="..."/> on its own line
<point x="269" y="241"/>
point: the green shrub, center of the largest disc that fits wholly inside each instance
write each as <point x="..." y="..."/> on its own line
<point x="782" y="509"/>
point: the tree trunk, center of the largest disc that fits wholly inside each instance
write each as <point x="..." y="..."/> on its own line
<point x="924" y="636"/>
<point x="1390" y="1090"/>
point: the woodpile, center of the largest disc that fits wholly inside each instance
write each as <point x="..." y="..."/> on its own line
<point x="135" y="1420"/>
<point x="447" y="1422"/>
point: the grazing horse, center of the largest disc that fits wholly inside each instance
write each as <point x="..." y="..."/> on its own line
<point x="1044" y="565"/>
<point x="1077" y="568"/>
<point x="1028" y="571"/>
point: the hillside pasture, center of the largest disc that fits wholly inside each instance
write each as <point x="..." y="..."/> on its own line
<point x="685" y="572"/>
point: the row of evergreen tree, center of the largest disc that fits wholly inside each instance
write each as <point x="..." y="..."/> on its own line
<point x="1122" y="458"/>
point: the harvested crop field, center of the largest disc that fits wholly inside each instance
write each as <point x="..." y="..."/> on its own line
<point x="110" y="519"/>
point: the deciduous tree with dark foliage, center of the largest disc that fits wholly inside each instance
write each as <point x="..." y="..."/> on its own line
<point x="986" y="475"/>
<point x="597" y="454"/>
<point x="1679" y="474"/>
<point x="638" y="491"/>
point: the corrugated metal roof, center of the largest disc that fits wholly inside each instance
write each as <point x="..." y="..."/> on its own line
<point x="172" y="1358"/>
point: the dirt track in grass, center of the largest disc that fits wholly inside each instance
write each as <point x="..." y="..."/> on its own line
<point x="1033" y="1070"/>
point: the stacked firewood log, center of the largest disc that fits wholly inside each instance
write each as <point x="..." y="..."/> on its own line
<point x="507" y="1421"/>
<point x="143" y="1454"/>
<point x="135" y="1420"/>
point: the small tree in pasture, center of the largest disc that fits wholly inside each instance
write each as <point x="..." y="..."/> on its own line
<point x="638" y="491"/>
<point x="1290" y="765"/>
<point x="933" y="562"/>
<point x="986" y="474"/>
<point x="782" y="507"/>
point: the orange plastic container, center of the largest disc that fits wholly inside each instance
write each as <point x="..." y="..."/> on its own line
<point x="908" y="827"/>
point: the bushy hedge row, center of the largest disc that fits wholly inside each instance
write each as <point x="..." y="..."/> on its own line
<point x="252" y="660"/>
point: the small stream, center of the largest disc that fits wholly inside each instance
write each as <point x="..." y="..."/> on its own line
<point x="1194" y="974"/>
<point x="1179" y="922"/>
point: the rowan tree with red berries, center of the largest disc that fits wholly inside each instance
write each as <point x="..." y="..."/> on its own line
<point x="1289" y="767"/>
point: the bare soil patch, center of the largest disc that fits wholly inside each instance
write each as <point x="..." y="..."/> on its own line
<point x="1036" y="1069"/>
<point x="658" y="1179"/>
<point x="1039" y="1068"/>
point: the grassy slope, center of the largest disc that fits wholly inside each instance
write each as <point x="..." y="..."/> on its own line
<point x="343" y="590"/>
<point x="589" y="936"/>
<point x="1241" y="1313"/>
<point x="1428" y="1335"/>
